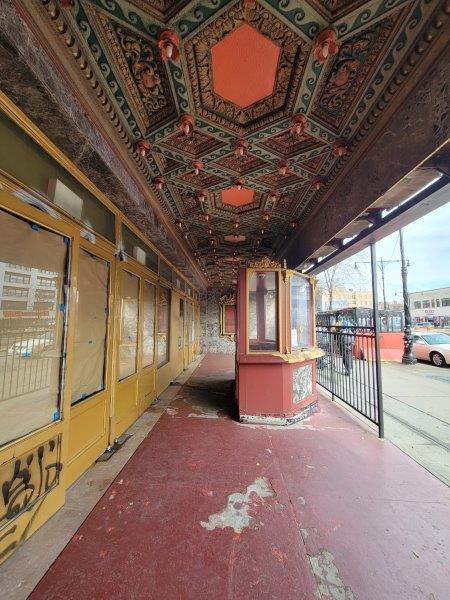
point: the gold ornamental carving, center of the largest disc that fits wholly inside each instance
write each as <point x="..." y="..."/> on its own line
<point x="265" y="263"/>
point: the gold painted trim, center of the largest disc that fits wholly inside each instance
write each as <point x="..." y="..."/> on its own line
<point x="226" y="300"/>
<point x="22" y="121"/>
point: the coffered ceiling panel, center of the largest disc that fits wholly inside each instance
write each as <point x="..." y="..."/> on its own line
<point x="239" y="113"/>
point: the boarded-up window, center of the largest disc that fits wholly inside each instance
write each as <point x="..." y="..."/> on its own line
<point x="148" y="325"/>
<point x="163" y="325"/>
<point x="31" y="336"/>
<point x="91" y="327"/>
<point x="129" y="315"/>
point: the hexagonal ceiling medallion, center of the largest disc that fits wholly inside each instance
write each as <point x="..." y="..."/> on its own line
<point x="235" y="197"/>
<point x="224" y="54"/>
<point x="244" y="65"/>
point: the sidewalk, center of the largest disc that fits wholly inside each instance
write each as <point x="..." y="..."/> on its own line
<point x="210" y="508"/>
<point x="417" y="413"/>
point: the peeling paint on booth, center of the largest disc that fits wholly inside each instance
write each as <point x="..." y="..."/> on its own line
<point x="236" y="512"/>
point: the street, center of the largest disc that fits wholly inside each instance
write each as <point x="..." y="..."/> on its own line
<point x="417" y="413"/>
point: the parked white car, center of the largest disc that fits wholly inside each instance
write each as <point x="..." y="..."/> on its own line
<point x="30" y="347"/>
<point x="432" y="346"/>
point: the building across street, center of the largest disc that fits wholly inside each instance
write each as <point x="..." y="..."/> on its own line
<point x="431" y="306"/>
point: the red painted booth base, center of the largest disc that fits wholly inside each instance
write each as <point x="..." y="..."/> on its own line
<point x="276" y="345"/>
<point x="276" y="389"/>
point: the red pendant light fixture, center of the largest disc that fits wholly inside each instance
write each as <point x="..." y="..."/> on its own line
<point x="318" y="183"/>
<point x="202" y="196"/>
<point x="159" y="182"/>
<point x="340" y="148"/>
<point x="186" y="124"/>
<point x="266" y="216"/>
<point x="143" y="147"/>
<point x="240" y="148"/>
<point x="283" y="167"/>
<point x="298" y="125"/>
<point x="325" y="45"/>
<point x="273" y="196"/>
<point x="169" y="45"/>
<point x="239" y="183"/>
<point x="197" y="165"/>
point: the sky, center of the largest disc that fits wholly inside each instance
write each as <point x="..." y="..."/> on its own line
<point x="427" y="247"/>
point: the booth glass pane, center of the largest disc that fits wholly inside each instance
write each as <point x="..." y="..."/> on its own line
<point x="263" y="311"/>
<point x="33" y="265"/>
<point x="91" y="327"/>
<point x="129" y="315"/>
<point x="163" y="326"/>
<point x="301" y="325"/>
<point x="148" y="325"/>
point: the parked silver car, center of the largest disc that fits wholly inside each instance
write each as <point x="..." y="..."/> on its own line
<point x="434" y="347"/>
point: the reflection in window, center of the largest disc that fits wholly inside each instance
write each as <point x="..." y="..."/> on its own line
<point x="263" y="303"/>
<point x="91" y="327"/>
<point x="31" y="339"/>
<point x="163" y="326"/>
<point x="301" y="325"/>
<point x="148" y="325"/>
<point x="129" y="315"/>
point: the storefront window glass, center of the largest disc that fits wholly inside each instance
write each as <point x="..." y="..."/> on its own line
<point x="91" y="327"/>
<point x="263" y="310"/>
<point x="301" y="326"/>
<point x="34" y="261"/>
<point x="148" y="325"/>
<point x="163" y="326"/>
<point x="129" y="315"/>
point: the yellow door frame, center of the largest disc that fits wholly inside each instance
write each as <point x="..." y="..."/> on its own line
<point x="48" y="443"/>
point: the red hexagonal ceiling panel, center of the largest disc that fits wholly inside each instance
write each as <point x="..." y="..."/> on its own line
<point x="235" y="197"/>
<point x="244" y="66"/>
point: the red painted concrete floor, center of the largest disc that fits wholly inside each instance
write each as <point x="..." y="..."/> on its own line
<point x="210" y="508"/>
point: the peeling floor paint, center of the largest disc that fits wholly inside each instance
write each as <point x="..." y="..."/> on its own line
<point x="172" y="411"/>
<point x="236" y="512"/>
<point x="205" y="411"/>
<point x="329" y="583"/>
<point x="307" y="531"/>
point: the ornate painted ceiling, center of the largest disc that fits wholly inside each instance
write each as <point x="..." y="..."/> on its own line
<point x="243" y="169"/>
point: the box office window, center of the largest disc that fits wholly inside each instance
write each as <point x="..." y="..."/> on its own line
<point x="129" y="316"/>
<point x="91" y="327"/>
<point x="163" y="326"/>
<point x="31" y="341"/>
<point x="263" y="311"/>
<point x="148" y="324"/>
<point x="301" y="311"/>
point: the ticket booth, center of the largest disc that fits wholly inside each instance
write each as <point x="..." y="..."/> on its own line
<point x="276" y="346"/>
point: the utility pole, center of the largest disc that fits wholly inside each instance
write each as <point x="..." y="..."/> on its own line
<point x="408" y="357"/>
<point x="382" y="265"/>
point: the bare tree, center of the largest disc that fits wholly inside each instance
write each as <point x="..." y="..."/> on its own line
<point x="335" y="277"/>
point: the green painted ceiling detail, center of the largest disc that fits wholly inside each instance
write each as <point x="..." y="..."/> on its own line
<point x="120" y="38"/>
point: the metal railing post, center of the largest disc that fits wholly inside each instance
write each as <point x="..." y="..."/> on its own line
<point x="373" y="268"/>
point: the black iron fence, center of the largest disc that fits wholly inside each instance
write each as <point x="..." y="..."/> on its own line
<point x="25" y="364"/>
<point x="349" y="368"/>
